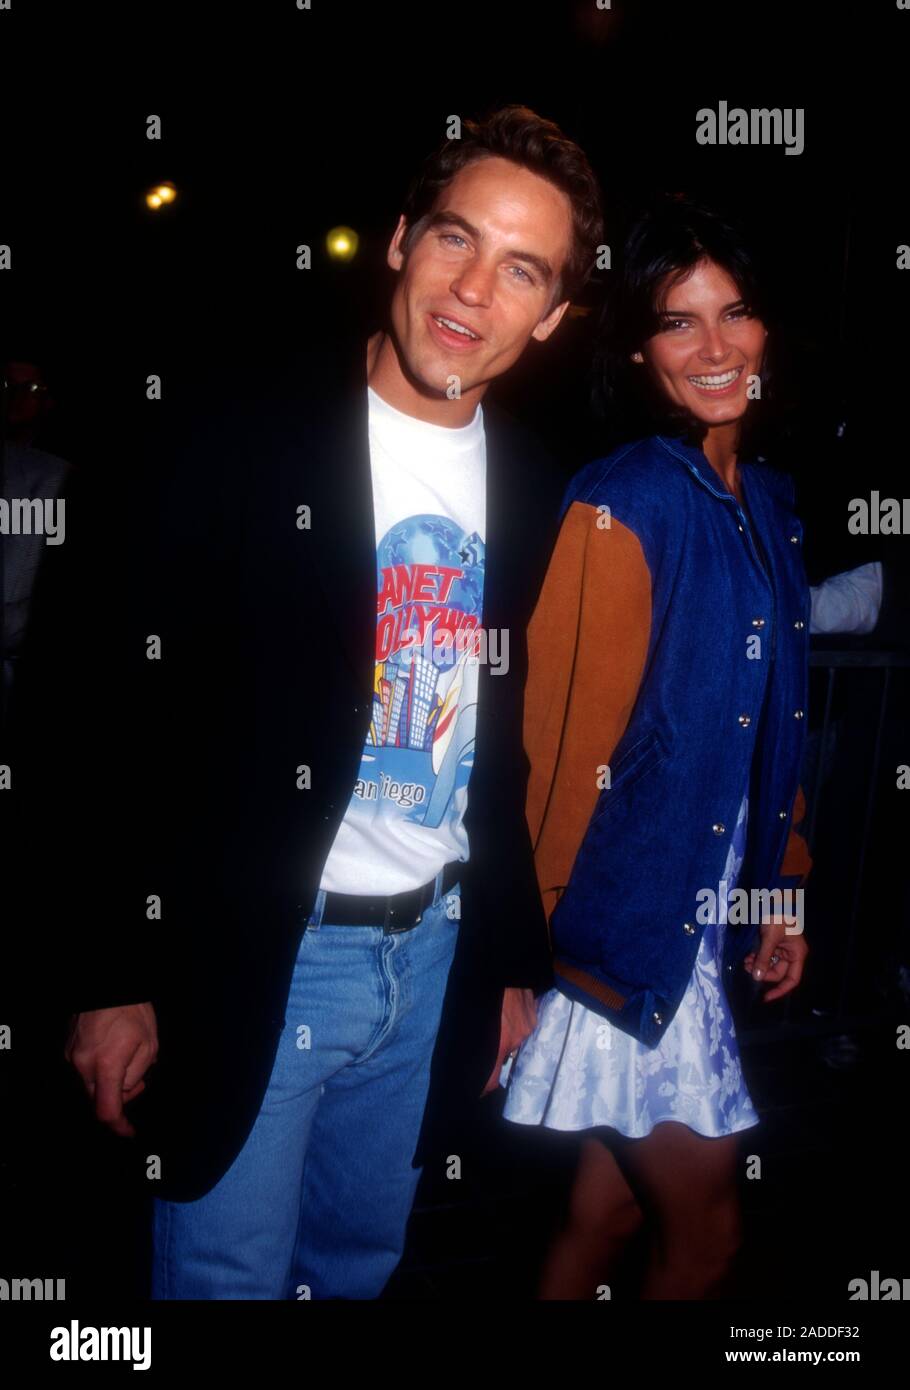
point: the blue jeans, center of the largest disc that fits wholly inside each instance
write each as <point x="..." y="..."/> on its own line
<point x="317" y="1202"/>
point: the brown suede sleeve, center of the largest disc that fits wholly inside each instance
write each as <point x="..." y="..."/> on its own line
<point x="797" y="859"/>
<point x="587" y="644"/>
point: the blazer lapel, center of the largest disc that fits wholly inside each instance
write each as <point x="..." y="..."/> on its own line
<point x="496" y="540"/>
<point x="336" y="483"/>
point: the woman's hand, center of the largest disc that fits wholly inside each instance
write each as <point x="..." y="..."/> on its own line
<point x="519" y="1019"/>
<point x="780" y="958"/>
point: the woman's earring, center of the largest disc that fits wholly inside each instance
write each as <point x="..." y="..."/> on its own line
<point x="637" y="357"/>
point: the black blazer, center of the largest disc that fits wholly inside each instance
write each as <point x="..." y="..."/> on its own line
<point x="267" y="635"/>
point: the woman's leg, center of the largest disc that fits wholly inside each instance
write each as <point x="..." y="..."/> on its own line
<point x="687" y="1185"/>
<point x="603" y="1215"/>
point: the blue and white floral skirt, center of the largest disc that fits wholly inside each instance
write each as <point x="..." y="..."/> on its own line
<point x="578" y="1071"/>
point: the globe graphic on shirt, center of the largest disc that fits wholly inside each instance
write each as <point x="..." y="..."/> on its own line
<point x="434" y="540"/>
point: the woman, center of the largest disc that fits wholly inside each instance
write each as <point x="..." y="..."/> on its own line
<point x="664" y="723"/>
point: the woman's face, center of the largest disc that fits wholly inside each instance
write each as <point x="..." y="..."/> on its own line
<point x="707" y="347"/>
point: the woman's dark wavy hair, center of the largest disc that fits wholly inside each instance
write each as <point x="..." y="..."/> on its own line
<point x="669" y="239"/>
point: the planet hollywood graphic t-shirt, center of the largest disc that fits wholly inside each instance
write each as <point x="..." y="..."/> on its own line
<point x="405" y="818"/>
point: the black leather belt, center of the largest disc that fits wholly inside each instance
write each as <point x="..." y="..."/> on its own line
<point x="394" y="911"/>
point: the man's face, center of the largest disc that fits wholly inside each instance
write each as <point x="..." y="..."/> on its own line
<point x="478" y="283"/>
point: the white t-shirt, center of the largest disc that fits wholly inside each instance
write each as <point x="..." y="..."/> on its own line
<point x="404" y="821"/>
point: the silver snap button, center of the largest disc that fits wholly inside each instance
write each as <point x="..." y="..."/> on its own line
<point x="782" y="815"/>
<point x="794" y="540"/>
<point x="718" y="828"/>
<point x="799" y="625"/>
<point x="745" y="720"/>
<point x="657" y="1019"/>
<point x="688" y="929"/>
<point x="758" y="622"/>
<point x="797" y="714"/>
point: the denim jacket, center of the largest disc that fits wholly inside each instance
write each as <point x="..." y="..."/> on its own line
<point x="668" y="659"/>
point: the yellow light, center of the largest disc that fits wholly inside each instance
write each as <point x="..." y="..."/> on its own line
<point x="342" y="243"/>
<point x="159" y="195"/>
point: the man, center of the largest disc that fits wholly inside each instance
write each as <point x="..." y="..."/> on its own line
<point x="340" y="777"/>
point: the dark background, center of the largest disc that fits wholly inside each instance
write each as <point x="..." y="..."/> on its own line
<point x="279" y="124"/>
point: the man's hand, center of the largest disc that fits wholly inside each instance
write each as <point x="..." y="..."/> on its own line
<point x="519" y="1019"/>
<point x="780" y="958"/>
<point x="112" y="1049"/>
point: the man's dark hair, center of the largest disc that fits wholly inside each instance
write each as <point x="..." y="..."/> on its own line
<point x="665" y="244"/>
<point x="520" y="135"/>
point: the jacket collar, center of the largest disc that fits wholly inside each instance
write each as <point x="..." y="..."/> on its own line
<point x="697" y="464"/>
